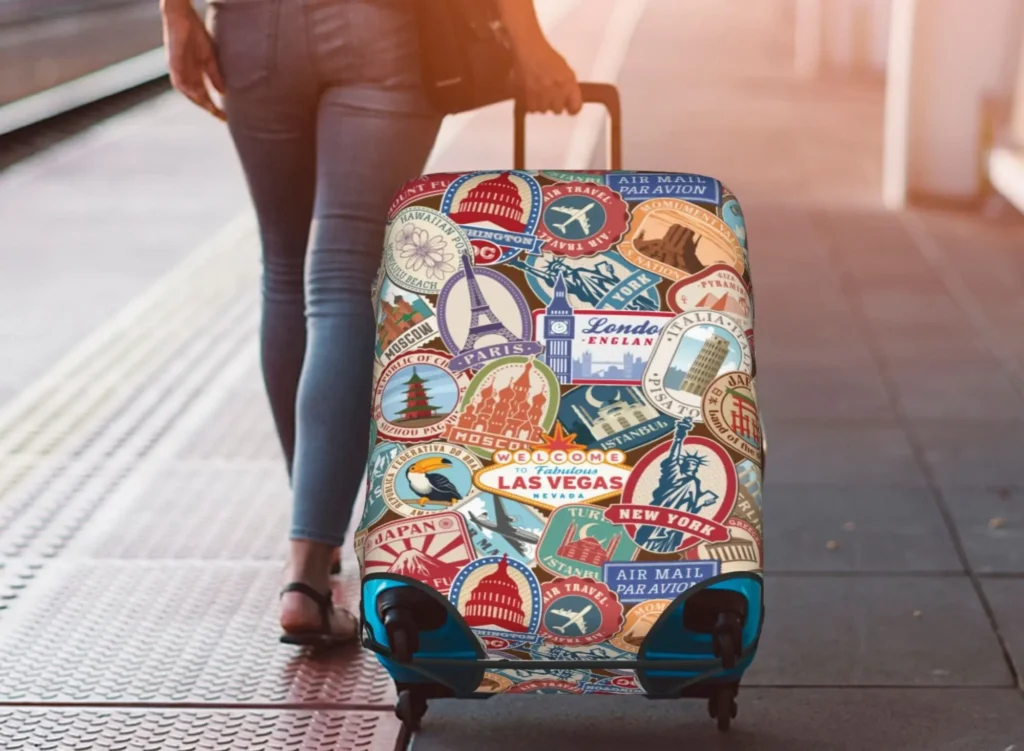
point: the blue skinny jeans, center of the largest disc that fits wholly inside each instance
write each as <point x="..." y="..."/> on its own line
<point x="327" y="113"/>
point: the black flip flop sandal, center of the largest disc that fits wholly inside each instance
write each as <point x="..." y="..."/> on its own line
<point x="323" y="637"/>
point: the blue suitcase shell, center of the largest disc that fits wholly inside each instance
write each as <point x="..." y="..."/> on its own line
<point x="563" y="488"/>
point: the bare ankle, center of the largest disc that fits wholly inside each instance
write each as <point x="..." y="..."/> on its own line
<point x="311" y="561"/>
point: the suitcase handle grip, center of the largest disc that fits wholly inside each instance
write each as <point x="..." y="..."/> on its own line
<point x="593" y="93"/>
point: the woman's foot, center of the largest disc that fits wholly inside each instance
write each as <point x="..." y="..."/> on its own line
<point x="308" y="615"/>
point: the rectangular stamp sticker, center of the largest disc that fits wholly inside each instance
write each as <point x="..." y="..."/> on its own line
<point x="634" y="186"/>
<point x="648" y="580"/>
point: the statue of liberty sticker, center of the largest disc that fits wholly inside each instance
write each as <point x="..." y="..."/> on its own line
<point x="679" y="494"/>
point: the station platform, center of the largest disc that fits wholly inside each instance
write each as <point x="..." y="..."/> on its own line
<point x="144" y="504"/>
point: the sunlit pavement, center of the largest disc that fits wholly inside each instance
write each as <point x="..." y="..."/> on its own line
<point x="143" y="503"/>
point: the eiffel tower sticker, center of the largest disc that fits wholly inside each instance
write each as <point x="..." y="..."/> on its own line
<point x="496" y="324"/>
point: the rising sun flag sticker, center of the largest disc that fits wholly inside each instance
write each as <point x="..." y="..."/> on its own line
<point x="555" y="472"/>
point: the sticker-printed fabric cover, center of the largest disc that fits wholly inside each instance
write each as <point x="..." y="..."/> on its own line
<point x="565" y="432"/>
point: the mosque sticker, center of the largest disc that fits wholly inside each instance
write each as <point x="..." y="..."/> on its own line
<point x="612" y="417"/>
<point x="500" y="208"/>
<point x="742" y="552"/>
<point x="483" y="317"/>
<point x="508" y="405"/>
<point x="555" y="472"/>
<point x="729" y="409"/>
<point x="416" y="397"/>
<point x="718" y="288"/>
<point x="638" y="623"/>
<point x="581" y="219"/>
<point x="405" y="321"/>
<point x="500" y="526"/>
<point x="693" y="350"/>
<point x="636" y="186"/>
<point x="578" y="541"/>
<point x="578" y="612"/>
<point x="431" y="549"/>
<point x="420" y="189"/>
<point x="602" y="347"/>
<point x="498" y="597"/>
<point x="429" y="477"/>
<point x="679" y="494"/>
<point x="422" y="249"/>
<point x="381" y="458"/>
<point x="650" y="580"/>
<point x="676" y="239"/>
<point x="605" y="281"/>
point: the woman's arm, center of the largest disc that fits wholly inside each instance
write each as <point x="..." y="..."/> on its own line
<point x="549" y="84"/>
<point x="190" y="55"/>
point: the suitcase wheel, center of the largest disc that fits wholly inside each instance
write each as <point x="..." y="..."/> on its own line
<point x="410" y="708"/>
<point x="722" y="706"/>
<point x="727" y="638"/>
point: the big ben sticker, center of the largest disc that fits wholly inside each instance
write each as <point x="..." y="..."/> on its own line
<point x="559" y="331"/>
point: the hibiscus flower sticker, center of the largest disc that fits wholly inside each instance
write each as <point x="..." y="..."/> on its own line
<point x="420" y="251"/>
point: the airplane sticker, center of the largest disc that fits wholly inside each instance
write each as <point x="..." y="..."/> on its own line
<point x="501" y="526"/>
<point x="578" y="611"/>
<point x="581" y="219"/>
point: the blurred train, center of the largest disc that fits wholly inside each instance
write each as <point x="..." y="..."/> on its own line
<point x="46" y="46"/>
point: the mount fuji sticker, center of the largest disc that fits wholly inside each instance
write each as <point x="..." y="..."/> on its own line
<point x="431" y="549"/>
<point x="501" y="208"/>
<point x="581" y="219"/>
<point x="555" y="473"/>
<point x="693" y="350"/>
<point x="679" y="494"/>
<point x="483" y="317"/>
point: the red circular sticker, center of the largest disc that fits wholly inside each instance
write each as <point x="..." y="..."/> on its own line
<point x="579" y="611"/>
<point x="581" y="219"/>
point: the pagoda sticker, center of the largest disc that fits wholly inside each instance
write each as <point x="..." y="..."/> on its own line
<point x="579" y="541"/>
<point x="581" y="218"/>
<point x="555" y="472"/>
<point x="483" y="317"/>
<point x="508" y="405"/>
<point x="679" y="494"/>
<point x="431" y="549"/>
<point x="404" y="321"/>
<point x="497" y="208"/>
<point x="416" y="397"/>
<point x="694" y="349"/>
<point x="676" y="239"/>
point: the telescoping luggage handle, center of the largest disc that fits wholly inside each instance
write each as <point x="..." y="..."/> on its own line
<point x="595" y="93"/>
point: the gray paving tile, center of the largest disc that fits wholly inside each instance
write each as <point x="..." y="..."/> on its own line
<point x="821" y="391"/>
<point x="768" y="720"/>
<point x="862" y="631"/>
<point x="956" y="391"/>
<point x="990" y="523"/>
<point x="929" y="346"/>
<point x="842" y="452"/>
<point x="1006" y="596"/>
<point x="972" y="453"/>
<point x="873" y="529"/>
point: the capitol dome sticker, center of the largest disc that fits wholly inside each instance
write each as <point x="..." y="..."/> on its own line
<point x="498" y="597"/>
<point x="501" y="208"/>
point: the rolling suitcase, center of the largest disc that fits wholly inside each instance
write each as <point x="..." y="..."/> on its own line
<point x="563" y="488"/>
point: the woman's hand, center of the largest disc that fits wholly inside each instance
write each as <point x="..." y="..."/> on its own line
<point x="190" y="55"/>
<point x="548" y="83"/>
